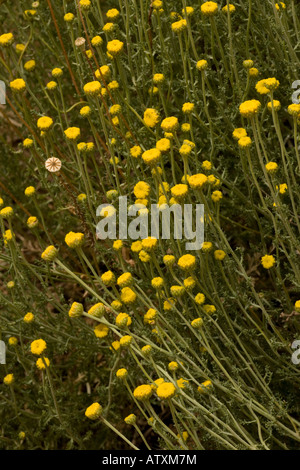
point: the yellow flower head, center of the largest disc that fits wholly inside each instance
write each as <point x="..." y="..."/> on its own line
<point x="146" y="350"/>
<point x="144" y="256"/>
<point x="177" y="291"/>
<point x="109" y="27"/>
<point x="206" y="246"/>
<point x="136" y="246"/>
<point x="12" y="341"/>
<point x="97" y="310"/>
<point x="18" y="85"/>
<point x="179" y="191"/>
<point x="115" y="345"/>
<point x="280" y="6"/>
<point x="197" y="181"/>
<point x="157" y="4"/>
<point x="108" y="278"/>
<point x="163" y="145"/>
<point x="165" y="390"/>
<point x="151" y="157"/>
<point x="297" y="305"/>
<point x="38" y="347"/>
<point x="130" y="419"/>
<point x="128" y="296"/>
<point x="294" y="109"/>
<point x="57" y="72"/>
<point x="182" y="383"/>
<point x="268" y="261"/>
<point x="253" y="72"/>
<point x="185" y="150"/>
<point x="271" y="167"/>
<point x="115" y="47"/>
<point x="122" y="373"/>
<point x="149" y="243"/>
<point x="239" y="132"/>
<point x="74" y="240"/>
<point x="200" y="298"/>
<point x="72" y="133"/>
<point x="125" y="341"/>
<point x="205" y="386"/>
<point x="187" y="108"/>
<point x="188" y="11"/>
<point x="169" y="260"/>
<point x="136" y="151"/>
<point x="170" y="124"/>
<point x="216" y="196"/>
<point x="29" y="191"/>
<point x="76" y="310"/>
<point x="8" y="379"/>
<point x="107" y="211"/>
<point x="51" y="85"/>
<point x="112" y="14"/>
<point x="261" y="88"/>
<point x="6" y="212"/>
<point x="197" y="323"/>
<point x="97" y="41"/>
<point x="186" y="127"/>
<point x="228" y="8"/>
<point x="92" y="88"/>
<point x="173" y="366"/>
<point x="49" y="254"/>
<point x="189" y="283"/>
<point x="29" y="13"/>
<point x="8" y="236"/>
<point x="101" y="330"/>
<point x="118" y="245"/>
<point x="151" y="117"/>
<point x="141" y="190"/>
<point x="41" y="364"/>
<point x="29" y="318"/>
<point x="149" y="317"/>
<point x="68" y="17"/>
<point x="44" y="123"/>
<point x="27" y="143"/>
<point x="206" y="165"/>
<point x="275" y="104"/>
<point x="282" y="188"/>
<point x="157" y="283"/>
<point x="249" y="108"/>
<point x="94" y="411"/>
<point x="187" y="262"/>
<point x="85" y="4"/>
<point x="179" y="26"/>
<point x="143" y="392"/>
<point x="123" y="320"/>
<point x="202" y="64"/>
<point x="158" y="78"/>
<point x="6" y="39"/>
<point x="103" y="73"/>
<point x="219" y="254"/>
<point x="209" y="8"/>
<point x="245" y="142"/>
<point x="125" y="280"/>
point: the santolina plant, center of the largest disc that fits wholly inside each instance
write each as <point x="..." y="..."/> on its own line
<point x="119" y="116"/>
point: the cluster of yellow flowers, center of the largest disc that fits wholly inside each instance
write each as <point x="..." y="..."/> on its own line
<point x="121" y="112"/>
